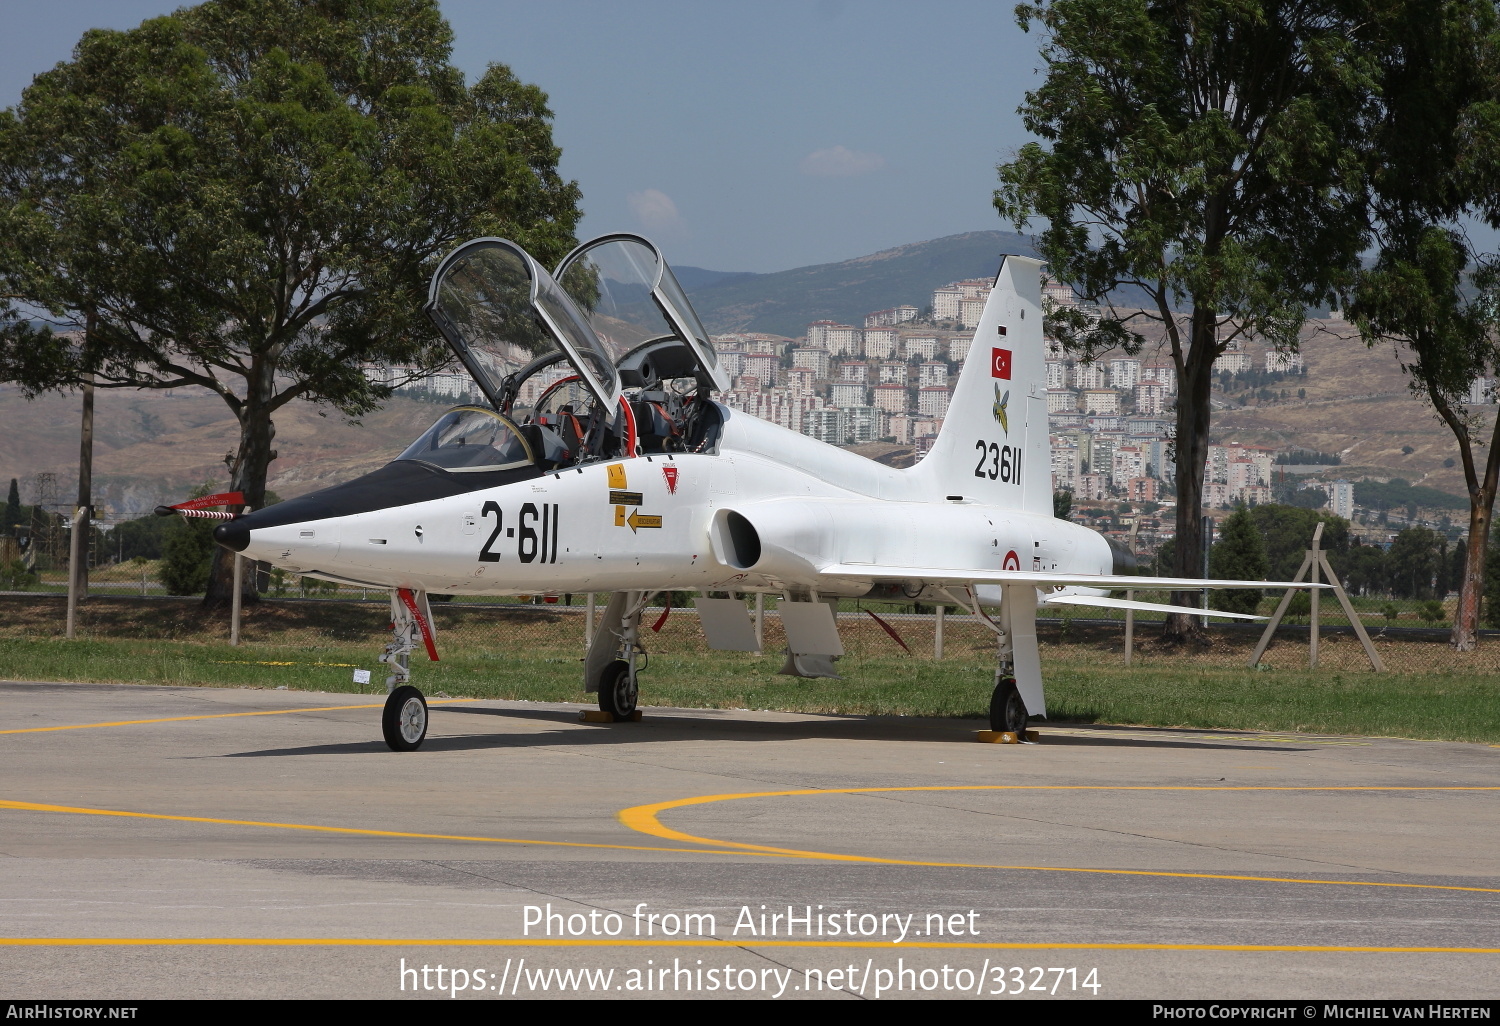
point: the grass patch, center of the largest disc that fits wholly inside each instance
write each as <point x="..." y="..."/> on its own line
<point x="1085" y="683"/>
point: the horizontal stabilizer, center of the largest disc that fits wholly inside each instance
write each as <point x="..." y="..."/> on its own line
<point x="1140" y="607"/>
<point x="1043" y="579"/>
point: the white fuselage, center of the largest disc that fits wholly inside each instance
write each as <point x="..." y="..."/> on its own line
<point x="658" y="522"/>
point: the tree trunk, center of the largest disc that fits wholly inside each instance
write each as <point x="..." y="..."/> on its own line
<point x="1194" y="386"/>
<point x="1465" y="634"/>
<point x="248" y="475"/>
<point x="1471" y="588"/>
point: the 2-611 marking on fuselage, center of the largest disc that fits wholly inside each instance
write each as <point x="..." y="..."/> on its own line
<point x="533" y="546"/>
<point x="998" y="462"/>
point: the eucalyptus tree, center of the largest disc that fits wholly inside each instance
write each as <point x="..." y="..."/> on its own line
<point x="1434" y="164"/>
<point x="248" y="195"/>
<point x="1206" y="155"/>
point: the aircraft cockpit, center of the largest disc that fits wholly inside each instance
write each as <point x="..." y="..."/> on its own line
<point x="603" y="359"/>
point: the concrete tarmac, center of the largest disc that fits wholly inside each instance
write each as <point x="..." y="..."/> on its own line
<point x="196" y="842"/>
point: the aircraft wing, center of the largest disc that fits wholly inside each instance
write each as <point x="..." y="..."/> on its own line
<point x="1104" y="602"/>
<point x="1044" y="579"/>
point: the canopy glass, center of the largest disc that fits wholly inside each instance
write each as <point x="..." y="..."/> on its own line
<point x="629" y="295"/>
<point x="499" y="310"/>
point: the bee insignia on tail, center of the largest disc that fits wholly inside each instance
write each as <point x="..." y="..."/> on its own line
<point x="1001" y="401"/>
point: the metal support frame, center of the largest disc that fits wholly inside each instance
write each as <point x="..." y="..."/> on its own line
<point x="1129" y="627"/>
<point x="1314" y="561"/>
<point x="76" y="552"/>
<point x="937" y="633"/>
<point x="237" y="600"/>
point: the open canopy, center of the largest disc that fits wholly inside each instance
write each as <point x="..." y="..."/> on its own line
<point x="629" y="295"/>
<point x="500" y="310"/>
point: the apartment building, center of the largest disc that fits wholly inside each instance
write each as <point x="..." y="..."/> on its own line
<point x="882" y="343"/>
<point x="1124" y="372"/>
<point x="1101" y="400"/>
<point x="932" y="373"/>
<point x="1278" y="361"/>
<point x="815" y="359"/>
<point x="1234" y="363"/>
<point x="933" y="401"/>
<point x="1090" y="375"/>
<point x="845" y="339"/>
<point x="925" y="346"/>
<point x="846" y="394"/>
<point x="1061" y="400"/>
<point x="892" y="398"/>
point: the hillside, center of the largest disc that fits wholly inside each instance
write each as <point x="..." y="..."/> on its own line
<point x="1357" y="404"/>
<point x="785" y="302"/>
<point x="151" y="447"/>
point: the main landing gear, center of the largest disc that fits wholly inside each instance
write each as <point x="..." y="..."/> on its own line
<point x="1007" y="709"/>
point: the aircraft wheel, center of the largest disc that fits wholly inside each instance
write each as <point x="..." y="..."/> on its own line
<point x="618" y="690"/>
<point x="1007" y="709"/>
<point x="404" y="721"/>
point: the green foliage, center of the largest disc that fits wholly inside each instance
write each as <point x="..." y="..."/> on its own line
<point x="1390" y="612"/>
<point x="1492" y="584"/>
<point x="143" y="537"/>
<point x="1300" y="606"/>
<point x="1305" y="498"/>
<point x="1412" y="561"/>
<point x="1432" y="611"/>
<point x="257" y="190"/>
<point x="16" y="576"/>
<point x="1399" y="492"/>
<point x="1062" y="505"/>
<point x="1363" y="570"/>
<point x="1199" y="152"/>
<point x="1287" y="534"/>
<point x="186" y="554"/>
<point x="1238" y="555"/>
<point x="12" y="515"/>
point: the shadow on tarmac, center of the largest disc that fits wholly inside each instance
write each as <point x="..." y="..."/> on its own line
<point x="679" y="727"/>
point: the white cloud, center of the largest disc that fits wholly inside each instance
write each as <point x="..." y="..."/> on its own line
<point x="841" y="162"/>
<point x="656" y="212"/>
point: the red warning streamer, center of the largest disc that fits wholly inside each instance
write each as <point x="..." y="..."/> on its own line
<point x="221" y="499"/>
<point x="889" y="630"/>
<point x="664" y="614"/>
<point x="410" y="602"/>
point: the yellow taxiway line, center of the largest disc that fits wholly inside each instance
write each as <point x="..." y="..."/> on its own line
<point x="644" y="819"/>
<point x="223" y="716"/>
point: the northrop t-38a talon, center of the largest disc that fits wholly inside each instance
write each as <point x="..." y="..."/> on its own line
<point x="602" y="463"/>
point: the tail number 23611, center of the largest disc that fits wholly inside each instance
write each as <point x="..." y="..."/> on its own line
<point x="998" y="462"/>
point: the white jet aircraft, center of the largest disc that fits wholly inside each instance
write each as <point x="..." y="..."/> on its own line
<point x="602" y="464"/>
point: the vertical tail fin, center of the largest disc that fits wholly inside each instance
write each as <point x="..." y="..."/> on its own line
<point x="994" y="445"/>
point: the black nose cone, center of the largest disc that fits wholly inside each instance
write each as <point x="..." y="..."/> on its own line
<point x="233" y="534"/>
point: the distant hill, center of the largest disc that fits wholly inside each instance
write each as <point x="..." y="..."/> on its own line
<point x="694" y="278"/>
<point x="785" y="302"/>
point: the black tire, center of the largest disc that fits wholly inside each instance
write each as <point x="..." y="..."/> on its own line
<point x="1007" y="708"/>
<point x="404" y="721"/>
<point x="618" y="690"/>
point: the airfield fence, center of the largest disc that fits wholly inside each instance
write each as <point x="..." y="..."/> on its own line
<point x="490" y="628"/>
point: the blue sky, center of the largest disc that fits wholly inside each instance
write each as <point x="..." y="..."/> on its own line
<point x="741" y="137"/>
<point x="751" y="137"/>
